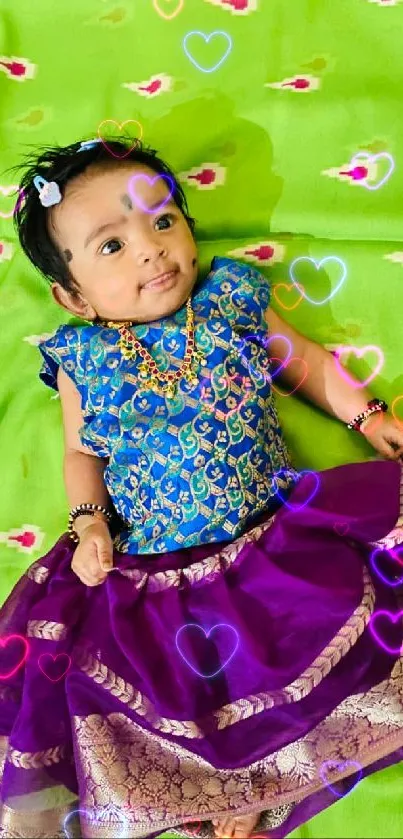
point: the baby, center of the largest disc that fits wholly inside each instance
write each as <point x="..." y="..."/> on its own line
<point x="112" y="232"/>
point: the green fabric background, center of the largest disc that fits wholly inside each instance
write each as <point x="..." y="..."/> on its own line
<point x="274" y="145"/>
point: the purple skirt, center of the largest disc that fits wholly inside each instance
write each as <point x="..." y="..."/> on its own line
<point x="259" y="675"/>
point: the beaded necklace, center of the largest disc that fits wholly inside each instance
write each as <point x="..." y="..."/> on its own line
<point x="165" y="384"/>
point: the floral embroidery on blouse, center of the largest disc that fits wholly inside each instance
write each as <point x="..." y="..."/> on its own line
<point x="198" y="467"/>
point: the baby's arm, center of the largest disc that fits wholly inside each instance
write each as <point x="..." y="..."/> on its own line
<point x="83" y="472"/>
<point x="324" y="386"/>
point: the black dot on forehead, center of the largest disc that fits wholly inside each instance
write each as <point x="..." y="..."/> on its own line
<point x="126" y="201"/>
<point x="68" y="254"/>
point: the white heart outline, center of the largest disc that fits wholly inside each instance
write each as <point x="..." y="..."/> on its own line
<point x="206" y="39"/>
<point x="87" y="812"/>
<point x="373" y="157"/>
<point x="318" y="265"/>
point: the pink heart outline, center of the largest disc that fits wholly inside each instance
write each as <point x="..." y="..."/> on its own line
<point x="206" y="635"/>
<point x="359" y="353"/>
<point x="49" y="655"/>
<point x="138" y="201"/>
<point x="4" y="642"/>
<point x="340" y="764"/>
<point x="296" y="508"/>
<point x="377" y="570"/>
<point x="341" y="528"/>
<point x="394" y="618"/>
<point x="318" y="265"/>
<point x="21" y="196"/>
<point x="373" y="158"/>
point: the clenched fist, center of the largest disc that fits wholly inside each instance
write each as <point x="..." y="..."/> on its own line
<point x="93" y="557"/>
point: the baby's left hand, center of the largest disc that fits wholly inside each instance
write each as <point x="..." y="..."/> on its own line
<point x="385" y="434"/>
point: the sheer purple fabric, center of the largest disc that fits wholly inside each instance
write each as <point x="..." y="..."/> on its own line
<point x="259" y="675"/>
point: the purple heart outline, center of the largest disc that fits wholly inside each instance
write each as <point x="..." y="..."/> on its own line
<point x="138" y="201"/>
<point x="394" y="618"/>
<point x="318" y="265"/>
<point x="216" y="626"/>
<point x="339" y="765"/>
<point x="378" y="571"/>
<point x="21" y="196"/>
<point x="291" y="506"/>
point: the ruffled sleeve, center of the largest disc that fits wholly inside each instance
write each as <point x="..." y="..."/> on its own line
<point x="243" y="294"/>
<point x="59" y="350"/>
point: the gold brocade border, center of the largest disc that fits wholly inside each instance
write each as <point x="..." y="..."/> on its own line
<point x="246" y="707"/>
<point x="47" y="630"/>
<point x="37" y="572"/>
<point x="205" y="569"/>
<point x="163" y="784"/>
<point x="160" y="785"/>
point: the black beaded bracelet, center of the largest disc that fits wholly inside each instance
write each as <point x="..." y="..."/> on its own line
<point x="374" y="406"/>
<point x="85" y="510"/>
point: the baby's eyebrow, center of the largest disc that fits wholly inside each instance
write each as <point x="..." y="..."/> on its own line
<point x="103" y="227"/>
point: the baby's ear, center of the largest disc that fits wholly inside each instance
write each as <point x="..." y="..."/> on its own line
<point x="72" y="302"/>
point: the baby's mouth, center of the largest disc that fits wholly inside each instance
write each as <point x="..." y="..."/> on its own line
<point x="163" y="280"/>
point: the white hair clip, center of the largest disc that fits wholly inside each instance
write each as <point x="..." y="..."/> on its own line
<point x="89" y="144"/>
<point x="49" y="192"/>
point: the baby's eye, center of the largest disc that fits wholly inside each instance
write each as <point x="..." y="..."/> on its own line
<point x="111" y="242"/>
<point x="167" y="218"/>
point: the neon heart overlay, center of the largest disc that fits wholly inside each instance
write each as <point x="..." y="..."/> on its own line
<point x="288" y="287"/>
<point x="375" y="566"/>
<point x="125" y="821"/>
<point x="196" y="625"/>
<point x="6" y="190"/>
<point x="372" y="158"/>
<point x="174" y="14"/>
<point x="341" y="528"/>
<point x="359" y="353"/>
<point x="328" y="765"/>
<point x="192" y="831"/>
<point x="375" y="632"/>
<point x="318" y="266"/>
<point x="120" y="126"/>
<point x="212" y="405"/>
<point x="296" y="507"/>
<point x="4" y="642"/>
<point x="206" y="39"/>
<point x="59" y="655"/>
<point x="138" y="201"/>
<point x="289" y="361"/>
<point x="398" y="420"/>
<point x="273" y="358"/>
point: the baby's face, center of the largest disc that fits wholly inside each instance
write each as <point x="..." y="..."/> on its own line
<point x="116" y="244"/>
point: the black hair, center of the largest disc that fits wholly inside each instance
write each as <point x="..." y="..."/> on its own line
<point x="61" y="164"/>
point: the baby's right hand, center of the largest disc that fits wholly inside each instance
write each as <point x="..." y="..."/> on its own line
<point x="93" y="557"/>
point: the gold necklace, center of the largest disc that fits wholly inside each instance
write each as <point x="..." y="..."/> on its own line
<point x="162" y="383"/>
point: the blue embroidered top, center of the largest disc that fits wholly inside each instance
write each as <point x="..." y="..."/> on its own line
<point x="195" y="468"/>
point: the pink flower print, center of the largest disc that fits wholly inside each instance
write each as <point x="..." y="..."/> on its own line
<point x="6" y="250"/>
<point x="152" y="86"/>
<point x="299" y="84"/>
<point x="18" y="69"/>
<point x="206" y="176"/>
<point x="359" y="173"/>
<point x="262" y="253"/>
<point x="26" y="539"/>
<point x="236" y="7"/>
